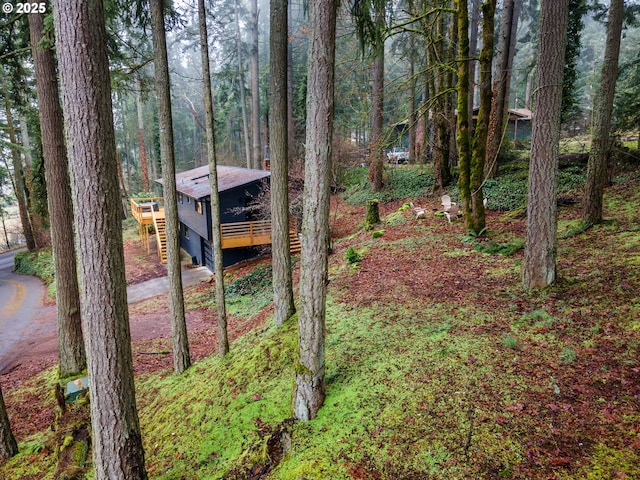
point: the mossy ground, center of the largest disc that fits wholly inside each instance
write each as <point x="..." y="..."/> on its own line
<point x="438" y="365"/>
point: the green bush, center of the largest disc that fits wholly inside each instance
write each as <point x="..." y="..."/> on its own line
<point x="352" y="256"/>
<point x="39" y="264"/>
<point x="400" y="182"/>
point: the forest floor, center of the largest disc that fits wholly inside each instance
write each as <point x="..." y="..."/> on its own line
<point x="439" y="366"/>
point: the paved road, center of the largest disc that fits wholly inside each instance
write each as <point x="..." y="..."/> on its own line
<point x="20" y="304"/>
<point x="26" y="325"/>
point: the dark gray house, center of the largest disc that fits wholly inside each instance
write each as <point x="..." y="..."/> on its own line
<point x="238" y="188"/>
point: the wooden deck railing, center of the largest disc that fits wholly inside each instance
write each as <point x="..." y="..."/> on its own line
<point x="246" y="234"/>
<point x="141" y="209"/>
<point x="234" y="235"/>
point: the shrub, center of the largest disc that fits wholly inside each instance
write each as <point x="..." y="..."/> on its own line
<point x="352" y="256"/>
<point x="39" y="264"/>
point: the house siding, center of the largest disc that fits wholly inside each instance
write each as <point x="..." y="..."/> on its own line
<point x="198" y="242"/>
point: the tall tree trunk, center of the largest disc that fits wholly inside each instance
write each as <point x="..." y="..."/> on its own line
<point x="291" y="131"/>
<point x="279" y="152"/>
<point x="601" y="143"/>
<point x="8" y="444"/>
<point x="463" y="137"/>
<point x="474" y="206"/>
<point x="223" y="339"/>
<point x="70" y="342"/>
<point x="441" y="127"/>
<point x="501" y="85"/>
<point x="310" y="369"/>
<point x="413" y="115"/>
<point x="539" y="265"/>
<point x="376" y="168"/>
<point x="254" y="72"/>
<point x="243" y="101"/>
<point x="19" y="183"/>
<point x="473" y="51"/>
<point x="181" y="358"/>
<point x="144" y="164"/>
<point x="84" y="71"/>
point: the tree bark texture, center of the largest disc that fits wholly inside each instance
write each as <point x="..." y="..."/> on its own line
<point x="310" y="366"/>
<point x="19" y="183"/>
<point x="376" y="167"/>
<point x="243" y="102"/>
<point x="8" y="444"/>
<point x="539" y="265"/>
<point x="180" y="340"/>
<point x="473" y="51"/>
<point x="463" y="137"/>
<point x="442" y="128"/>
<point x="223" y="339"/>
<point x="144" y="165"/>
<point x="601" y="142"/>
<point x="279" y="153"/>
<point x="502" y="84"/>
<point x="291" y="141"/>
<point x="254" y="73"/>
<point x="84" y="72"/>
<point x="474" y="206"/>
<point x="71" y="351"/>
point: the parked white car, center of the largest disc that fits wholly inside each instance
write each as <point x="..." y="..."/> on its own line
<point x="398" y="155"/>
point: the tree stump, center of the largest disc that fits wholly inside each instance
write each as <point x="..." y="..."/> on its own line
<point x="373" y="214"/>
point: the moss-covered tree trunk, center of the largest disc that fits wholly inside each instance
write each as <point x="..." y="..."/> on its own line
<point x="463" y="140"/>
<point x="471" y="186"/>
<point x="376" y="167"/>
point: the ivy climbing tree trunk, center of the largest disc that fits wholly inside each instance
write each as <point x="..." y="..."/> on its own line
<point x="216" y="233"/>
<point x="279" y="150"/>
<point x="181" y="358"/>
<point x="601" y="143"/>
<point x="539" y="264"/>
<point x="309" y="391"/>
<point x="71" y="351"/>
<point x="81" y="46"/>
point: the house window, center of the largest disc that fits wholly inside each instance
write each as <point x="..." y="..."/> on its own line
<point x="188" y="199"/>
<point x="180" y="198"/>
<point x="199" y="207"/>
<point x="186" y="232"/>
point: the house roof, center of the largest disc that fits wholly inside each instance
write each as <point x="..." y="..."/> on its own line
<point x="520" y="113"/>
<point x="195" y="183"/>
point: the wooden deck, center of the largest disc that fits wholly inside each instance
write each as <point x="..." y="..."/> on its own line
<point x="246" y="234"/>
<point x="148" y="211"/>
